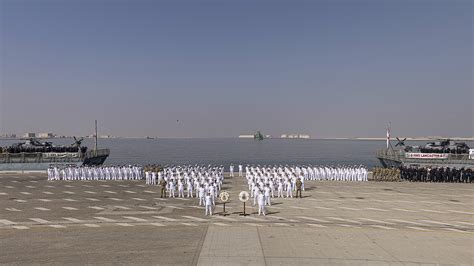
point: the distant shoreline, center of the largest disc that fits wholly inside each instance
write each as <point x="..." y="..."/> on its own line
<point x="357" y="138"/>
<point x="408" y="138"/>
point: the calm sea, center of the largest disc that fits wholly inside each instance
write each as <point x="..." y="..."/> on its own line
<point x="226" y="151"/>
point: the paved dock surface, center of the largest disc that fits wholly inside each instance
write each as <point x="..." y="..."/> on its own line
<point x="342" y="223"/>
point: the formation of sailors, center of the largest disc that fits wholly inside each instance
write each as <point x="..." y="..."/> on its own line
<point x="272" y="181"/>
<point x="115" y="173"/>
<point x="265" y="183"/>
<point x="333" y="173"/>
<point x="337" y="173"/>
<point x="201" y="182"/>
<point x="440" y="174"/>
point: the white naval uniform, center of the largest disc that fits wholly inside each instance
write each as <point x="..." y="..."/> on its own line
<point x="208" y="203"/>
<point x="261" y="204"/>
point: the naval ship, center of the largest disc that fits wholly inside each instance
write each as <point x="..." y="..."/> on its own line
<point x="33" y="155"/>
<point x="439" y="153"/>
<point x="258" y="136"/>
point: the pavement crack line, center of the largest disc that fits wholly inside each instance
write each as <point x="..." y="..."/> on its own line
<point x="197" y="255"/>
<point x="377" y="244"/>
<point x="261" y="246"/>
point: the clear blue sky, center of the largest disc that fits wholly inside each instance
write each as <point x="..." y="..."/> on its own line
<point x="222" y="68"/>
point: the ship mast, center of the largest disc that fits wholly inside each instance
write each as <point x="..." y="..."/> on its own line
<point x="95" y="135"/>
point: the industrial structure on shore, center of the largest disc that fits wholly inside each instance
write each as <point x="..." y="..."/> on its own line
<point x="260" y="136"/>
<point x="295" y="136"/>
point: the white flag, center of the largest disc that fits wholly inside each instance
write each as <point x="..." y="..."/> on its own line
<point x="388" y="135"/>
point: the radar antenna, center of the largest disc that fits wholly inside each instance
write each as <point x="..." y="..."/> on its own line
<point x="77" y="142"/>
<point x="400" y="142"/>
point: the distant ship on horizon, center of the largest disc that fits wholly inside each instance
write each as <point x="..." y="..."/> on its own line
<point x="258" y="136"/>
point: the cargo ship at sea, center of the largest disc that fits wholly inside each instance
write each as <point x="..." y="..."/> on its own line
<point x="439" y="153"/>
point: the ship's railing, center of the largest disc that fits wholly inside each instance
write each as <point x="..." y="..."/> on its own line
<point x="400" y="155"/>
<point x="459" y="157"/>
<point x="25" y="157"/>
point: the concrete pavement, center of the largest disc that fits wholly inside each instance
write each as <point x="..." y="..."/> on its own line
<point x="335" y="223"/>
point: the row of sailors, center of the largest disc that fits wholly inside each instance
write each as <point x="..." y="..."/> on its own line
<point x="437" y="174"/>
<point x="193" y="189"/>
<point x="186" y="173"/>
<point x="185" y="179"/>
<point x="281" y="187"/>
<point x="116" y="173"/>
<point x="338" y="173"/>
<point x="189" y="178"/>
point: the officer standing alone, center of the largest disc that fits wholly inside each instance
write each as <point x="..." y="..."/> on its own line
<point x="299" y="184"/>
<point x="163" y="188"/>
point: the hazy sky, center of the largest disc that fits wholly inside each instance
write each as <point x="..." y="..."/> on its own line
<point x="224" y="68"/>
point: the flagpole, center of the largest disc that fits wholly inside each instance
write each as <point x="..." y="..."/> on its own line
<point x="388" y="134"/>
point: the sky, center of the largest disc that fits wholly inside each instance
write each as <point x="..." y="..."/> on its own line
<point x="206" y="69"/>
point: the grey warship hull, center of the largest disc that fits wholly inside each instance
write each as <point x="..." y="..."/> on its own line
<point x="391" y="158"/>
<point x="42" y="161"/>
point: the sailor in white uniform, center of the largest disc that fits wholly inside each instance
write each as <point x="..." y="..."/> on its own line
<point x="267" y="195"/>
<point x="280" y="189"/>
<point x="171" y="189"/>
<point x="189" y="189"/>
<point x="147" y="178"/>
<point x="180" y="189"/>
<point x="153" y="178"/>
<point x="289" y="190"/>
<point x="208" y="202"/>
<point x="271" y="184"/>
<point x="261" y="204"/>
<point x="201" y="195"/>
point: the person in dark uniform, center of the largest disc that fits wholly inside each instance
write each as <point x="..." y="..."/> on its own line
<point x="163" y="188"/>
<point x="299" y="184"/>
